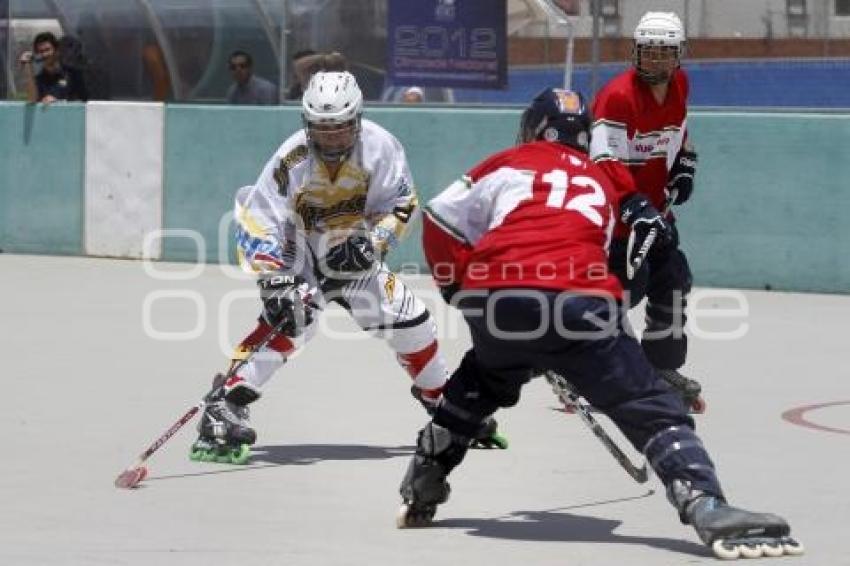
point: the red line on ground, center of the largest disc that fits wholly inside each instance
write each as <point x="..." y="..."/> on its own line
<point x="795" y="416"/>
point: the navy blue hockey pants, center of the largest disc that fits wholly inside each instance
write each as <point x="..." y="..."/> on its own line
<point x="519" y="332"/>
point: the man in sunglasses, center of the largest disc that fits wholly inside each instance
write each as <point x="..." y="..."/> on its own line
<point x="248" y="88"/>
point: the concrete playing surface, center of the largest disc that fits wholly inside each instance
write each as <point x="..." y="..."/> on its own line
<point x="85" y="389"/>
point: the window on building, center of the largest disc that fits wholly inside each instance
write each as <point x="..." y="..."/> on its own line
<point x="609" y="8"/>
<point x="842" y="7"/>
<point x="796" y="7"/>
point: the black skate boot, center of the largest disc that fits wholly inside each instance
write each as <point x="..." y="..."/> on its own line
<point x="224" y="435"/>
<point x="488" y="436"/>
<point x="688" y="388"/>
<point x="424" y="486"/>
<point x="729" y="531"/>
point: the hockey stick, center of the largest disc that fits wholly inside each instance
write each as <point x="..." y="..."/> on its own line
<point x="568" y="396"/>
<point x="132" y="476"/>
<point x="632" y="267"/>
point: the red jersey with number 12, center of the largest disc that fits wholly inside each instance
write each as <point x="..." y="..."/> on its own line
<point x="539" y="215"/>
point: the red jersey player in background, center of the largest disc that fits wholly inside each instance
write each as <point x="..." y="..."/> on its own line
<point x="640" y="141"/>
<point x="519" y="245"/>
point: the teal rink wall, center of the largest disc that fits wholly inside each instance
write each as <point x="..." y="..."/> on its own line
<point x="42" y="158"/>
<point x="772" y="187"/>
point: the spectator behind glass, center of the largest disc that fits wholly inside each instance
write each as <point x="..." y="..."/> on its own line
<point x="413" y="95"/>
<point x="248" y="88"/>
<point x="306" y="63"/>
<point x="333" y="62"/>
<point x="53" y="81"/>
<point x="73" y="56"/>
<point x="156" y="71"/>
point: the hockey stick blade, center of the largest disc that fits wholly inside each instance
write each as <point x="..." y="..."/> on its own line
<point x="132" y="476"/>
<point x="567" y="395"/>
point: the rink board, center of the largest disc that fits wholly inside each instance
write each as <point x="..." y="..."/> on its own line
<point x="87" y="387"/>
<point x="42" y="154"/>
<point x="767" y="212"/>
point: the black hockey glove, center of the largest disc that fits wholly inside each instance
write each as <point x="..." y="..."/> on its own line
<point x="681" y="177"/>
<point x="354" y="255"/>
<point x="449" y="291"/>
<point x="648" y="229"/>
<point x="286" y="301"/>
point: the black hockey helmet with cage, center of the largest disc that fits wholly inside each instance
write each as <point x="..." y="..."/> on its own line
<point x="557" y="115"/>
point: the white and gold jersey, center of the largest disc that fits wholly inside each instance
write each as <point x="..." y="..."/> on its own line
<point x="295" y="212"/>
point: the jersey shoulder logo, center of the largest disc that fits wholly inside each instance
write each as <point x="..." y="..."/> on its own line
<point x="287" y="162"/>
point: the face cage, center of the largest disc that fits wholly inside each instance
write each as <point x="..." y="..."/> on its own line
<point x="657" y="53"/>
<point x="337" y="154"/>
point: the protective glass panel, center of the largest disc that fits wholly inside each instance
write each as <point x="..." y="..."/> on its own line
<point x="753" y="53"/>
<point x="5" y="61"/>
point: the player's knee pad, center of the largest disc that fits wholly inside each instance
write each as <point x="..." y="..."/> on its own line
<point x="472" y="394"/>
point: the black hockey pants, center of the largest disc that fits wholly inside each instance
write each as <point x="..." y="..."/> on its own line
<point x="666" y="281"/>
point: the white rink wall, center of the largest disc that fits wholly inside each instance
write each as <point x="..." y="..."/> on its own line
<point x="123" y="178"/>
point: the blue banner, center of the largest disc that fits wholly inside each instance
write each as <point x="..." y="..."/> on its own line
<point x="447" y="43"/>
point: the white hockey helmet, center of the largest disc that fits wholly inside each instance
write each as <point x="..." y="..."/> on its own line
<point x="659" y="46"/>
<point x="331" y="109"/>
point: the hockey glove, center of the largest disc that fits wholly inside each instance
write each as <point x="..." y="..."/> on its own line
<point x="648" y="229"/>
<point x="286" y="301"/>
<point x="354" y="255"/>
<point x="449" y="291"/>
<point x="681" y="178"/>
